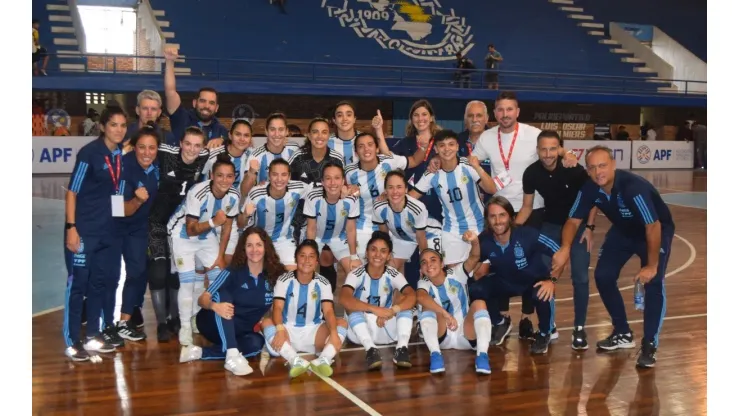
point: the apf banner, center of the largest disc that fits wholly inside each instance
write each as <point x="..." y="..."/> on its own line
<point x="52" y="154"/>
<point x="662" y="154"/>
<point x="620" y="149"/>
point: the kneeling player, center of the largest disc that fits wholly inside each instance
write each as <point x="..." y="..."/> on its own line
<point x="446" y="321"/>
<point x="303" y="316"/>
<point x="374" y="316"/>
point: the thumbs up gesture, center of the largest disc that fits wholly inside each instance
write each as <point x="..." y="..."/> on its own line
<point x="378" y="121"/>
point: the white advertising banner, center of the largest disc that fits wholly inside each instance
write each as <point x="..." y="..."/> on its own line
<point x="57" y="154"/>
<point x="660" y="154"/>
<point x="620" y="149"/>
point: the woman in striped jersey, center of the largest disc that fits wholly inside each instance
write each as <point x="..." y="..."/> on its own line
<point x="276" y="147"/>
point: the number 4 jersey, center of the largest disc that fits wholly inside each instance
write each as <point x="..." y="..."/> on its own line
<point x="175" y="180"/>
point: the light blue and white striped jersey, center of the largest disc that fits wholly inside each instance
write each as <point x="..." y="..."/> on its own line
<point x="240" y="164"/>
<point x="452" y="294"/>
<point x="302" y="302"/>
<point x="462" y="208"/>
<point x="378" y="292"/>
<point x="276" y="215"/>
<point x="346" y="148"/>
<point x="201" y="204"/>
<point x="402" y="225"/>
<point x="371" y="185"/>
<point x="265" y="157"/>
<point x="331" y="219"/>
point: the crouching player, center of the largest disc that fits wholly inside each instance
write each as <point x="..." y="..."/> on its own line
<point x="303" y="316"/>
<point x="446" y="320"/>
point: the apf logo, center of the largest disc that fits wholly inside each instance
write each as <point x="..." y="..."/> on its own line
<point x="421" y="29"/>
<point x="643" y="154"/>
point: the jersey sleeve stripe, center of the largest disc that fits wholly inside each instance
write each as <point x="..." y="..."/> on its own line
<point x="552" y="245"/>
<point x="575" y="205"/>
<point x="213" y="287"/>
<point x="644" y="211"/>
<point x="79" y="177"/>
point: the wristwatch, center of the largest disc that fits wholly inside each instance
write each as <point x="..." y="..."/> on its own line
<point x="553" y="279"/>
<point x="591" y="226"/>
<point x="69" y="225"/>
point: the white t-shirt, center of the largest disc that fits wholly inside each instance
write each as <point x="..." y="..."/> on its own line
<point x="523" y="155"/>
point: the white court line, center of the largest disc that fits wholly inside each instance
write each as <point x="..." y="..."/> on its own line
<point x="44" y="312"/>
<point x="346" y="393"/>
<point x="683" y="267"/>
<point x="685" y="206"/>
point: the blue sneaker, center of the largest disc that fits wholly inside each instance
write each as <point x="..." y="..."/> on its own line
<point x="482" y="365"/>
<point x="437" y="363"/>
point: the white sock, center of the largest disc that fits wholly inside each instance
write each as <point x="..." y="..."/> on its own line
<point x="329" y="352"/>
<point x="342" y="331"/>
<point x="185" y="307"/>
<point x="359" y="326"/>
<point x="200" y="288"/>
<point x="429" y="330"/>
<point x="404" y="323"/>
<point x="287" y="352"/>
<point x="482" y="325"/>
<point x="232" y="352"/>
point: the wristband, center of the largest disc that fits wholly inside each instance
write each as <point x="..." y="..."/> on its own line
<point x="354" y="257"/>
<point x="210" y="222"/>
<point x="396" y="309"/>
<point x="280" y="327"/>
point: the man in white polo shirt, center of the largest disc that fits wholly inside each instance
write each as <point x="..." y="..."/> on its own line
<point x="511" y="147"/>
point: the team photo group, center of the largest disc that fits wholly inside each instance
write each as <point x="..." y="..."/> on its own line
<point x="297" y="250"/>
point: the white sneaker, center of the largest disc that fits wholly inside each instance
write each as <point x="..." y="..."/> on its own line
<point x="322" y="366"/>
<point x="185" y="335"/>
<point x="238" y="365"/>
<point x="193" y="325"/>
<point x="298" y="366"/>
<point x="190" y="353"/>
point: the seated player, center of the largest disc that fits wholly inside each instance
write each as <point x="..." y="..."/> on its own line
<point x="272" y="207"/>
<point x="303" y="316"/>
<point x="332" y="220"/>
<point x="236" y="301"/>
<point x="376" y="316"/>
<point x="514" y="259"/>
<point x="447" y="321"/>
<point x="192" y="229"/>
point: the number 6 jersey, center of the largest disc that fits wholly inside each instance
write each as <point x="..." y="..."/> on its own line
<point x="175" y="180"/>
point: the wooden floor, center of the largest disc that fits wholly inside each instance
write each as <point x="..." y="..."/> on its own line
<point x="146" y="379"/>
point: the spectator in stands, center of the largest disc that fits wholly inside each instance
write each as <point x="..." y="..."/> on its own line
<point x="684" y="132"/>
<point x="294" y="131"/>
<point x="203" y="114"/>
<point x="148" y="110"/>
<point x="700" y="143"/>
<point x="90" y="124"/>
<point x="622" y="133"/>
<point x="465" y="67"/>
<point x="493" y="60"/>
<point x="39" y="52"/>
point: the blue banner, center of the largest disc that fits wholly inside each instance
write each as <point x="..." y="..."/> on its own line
<point x="643" y="33"/>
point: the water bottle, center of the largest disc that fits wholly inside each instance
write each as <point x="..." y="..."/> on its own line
<point x="639" y="296"/>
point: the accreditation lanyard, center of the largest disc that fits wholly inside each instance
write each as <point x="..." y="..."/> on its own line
<point x="506" y="160"/>
<point x="115" y="177"/>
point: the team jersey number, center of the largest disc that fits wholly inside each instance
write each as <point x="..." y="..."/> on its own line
<point x="447" y="305"/>
<point x="373" y="300"/>
<point x="184" y="185"/>
<point x="302" y="310"/>
<point x="330" y="225"/>
<point x="455" y="195"/>
<point x="279" y="218"/>
<point x="374" y="192"/>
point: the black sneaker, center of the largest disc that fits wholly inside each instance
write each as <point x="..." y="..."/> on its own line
<point x="401" y="357"/>
<point x="137" y="319"/>
<point x="541" y="342"/>
<point x="110" y="335"/>
<point x="163" y="333"/>
<point x="647" y="355"/>
<point x="501" y="331"/>
<point x="77" y="352"/>
<point x="127" y="330"/>
<point x="98" y="344"/>
<point x="372" y="357"/>
<point x="615" y="341"/>
<point x="526" y="330"/>
<point x="174" y="325"/>
<point x="578" y="340"/>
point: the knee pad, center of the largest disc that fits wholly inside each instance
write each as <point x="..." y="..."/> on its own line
<point x="157" y="274"/>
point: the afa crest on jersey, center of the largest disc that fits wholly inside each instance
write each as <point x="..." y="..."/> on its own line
<point x="465" y="179"/>
<point x="344" y="212"/>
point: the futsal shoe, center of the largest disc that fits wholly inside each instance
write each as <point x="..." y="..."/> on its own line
<point x="110" y="335"/>
<point x="482" y="364"/>
<point x="77" y="352"/>
<point x="128" y="330"/>
<point x="238" y="365"/>
<point x="373" y="360"/>
<point x="298" y="366"/>
<point x="615" y="341"/>
<point x="322" y="366"/>
<point x="578" y="339"/>
<point x="401" y="357"/>
<point x="541" y="343"/>
<point x="97" y="344"/>
<point x="501" y="331"/>
<point x="190" y="353"/>
<point x="647" y="355"/>
<point x="437" y="363"/>
<point x="526" y="329"/>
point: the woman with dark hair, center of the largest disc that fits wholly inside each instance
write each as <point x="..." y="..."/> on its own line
<point x="308" y="162"/>
<point x="94" y="197"/>
<point x="303" y="317"/>
<point x="375" y="315"/>
<point x="513" y="255"/>
<point x="237" y="301"/>
<point x="276" y="147"/>
<point x="140" y="185"/>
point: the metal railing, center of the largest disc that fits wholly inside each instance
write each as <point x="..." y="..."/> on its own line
<point x="224" y="69"/>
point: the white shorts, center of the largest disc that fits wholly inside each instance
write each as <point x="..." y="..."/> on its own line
<point x="434" y="235"/>
<point x="185" y="253"/>
<point x="303" y="338"/>
<point x="380" y="336"/>
<point x="339" y="248"/>
<point x="455" y="340"/>
<point x="286" y="251"/>
<point x="403" y="249"/>
<point x="233" y="239"/>
<point x="455" y="249"/>
<point x="363" y="237"/>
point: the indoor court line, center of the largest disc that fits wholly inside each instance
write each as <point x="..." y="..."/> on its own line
<point x="346" y="393"/>
<point x="685" y="206"/>
<point x="683" y="267"/>
<point x="50" y="310"/>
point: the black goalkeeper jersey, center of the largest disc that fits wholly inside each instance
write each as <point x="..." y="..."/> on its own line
<point x="175" y="180"/>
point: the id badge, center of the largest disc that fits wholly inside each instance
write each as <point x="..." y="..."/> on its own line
<point x="502" y="180"/>
<point x="117" y="205"/>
